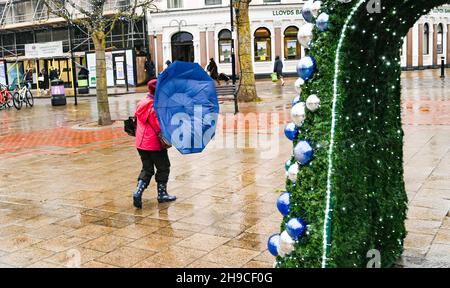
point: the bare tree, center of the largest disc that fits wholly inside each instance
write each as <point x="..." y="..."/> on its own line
<point x="99" y="18"/>
<point x="247" y="88"/>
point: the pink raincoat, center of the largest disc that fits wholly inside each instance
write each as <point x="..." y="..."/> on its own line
<point x="148" y="128"/>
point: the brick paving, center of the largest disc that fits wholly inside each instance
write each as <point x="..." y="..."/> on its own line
<point x="65" y="193"/>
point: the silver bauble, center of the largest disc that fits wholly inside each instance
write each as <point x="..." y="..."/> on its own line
<point x="298" y="85"/>
<point x="298" y="114"/>
<point x="286" y="244"/>
<point x="313" y="103"/>
<point x="305" y="34"/>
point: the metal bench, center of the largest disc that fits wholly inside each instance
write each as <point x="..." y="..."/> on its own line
<point x="228" y="90"/>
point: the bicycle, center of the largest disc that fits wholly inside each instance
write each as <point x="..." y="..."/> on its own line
<point x="6" y="99"/>
<point x="23" y="95"/>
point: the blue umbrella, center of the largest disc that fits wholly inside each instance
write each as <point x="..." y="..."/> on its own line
<point x="187" y="106"/>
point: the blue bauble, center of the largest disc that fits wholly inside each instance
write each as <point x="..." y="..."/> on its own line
<point x="307" y="11"/>
<point x="322" y="22"/>
<point x="306" y="67"/>
<point x="296" y="100"/>
<point x="303" y="152"/>
<point x="284" y="203"/>
<point x="295" y="227"/>
<point x="291" y="131"/>
<point x="274" y="244"/>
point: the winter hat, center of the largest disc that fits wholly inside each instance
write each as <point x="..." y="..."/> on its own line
<point x="151" y="86"/>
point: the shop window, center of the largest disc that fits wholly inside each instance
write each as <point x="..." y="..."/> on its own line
<point x="173" y="4"/>
<point x="426" y="39"/>
<point x="292" y="49"/>
<point x="263" y="45"/>
<point x="225" y="46"/>
<point x="213" y="2"/>
<point x="440" y="39"/>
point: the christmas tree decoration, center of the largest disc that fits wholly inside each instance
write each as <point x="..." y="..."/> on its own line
<point x="315" y="8"/>
<point x="306" y="67"/>
<point x="322" y="21"/>
<point x="313" y="103"/>
<point x="286" y="244"/>
<point x="292" y="172"/>
<point x="273" y="245"/>
<point x="307" y="11"/>
<point x="357" y="171"/>
<point x="284" y="203"/>
<point x="303" y="152"/>
<point x="305" y="34"/>
<point x="298" y="114"/>
<point x="298" y="85"/>
<point x="296" y="100"/>
<point x="291" y="131"/>
<point x="295" y="228"/>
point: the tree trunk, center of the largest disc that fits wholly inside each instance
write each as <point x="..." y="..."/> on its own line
<point x="104" y="116"/>
<point x="247" y="88"/>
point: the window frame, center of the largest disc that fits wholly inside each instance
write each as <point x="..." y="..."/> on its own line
<point x="426" y="39"/>
<point x="222" y="41"/>
<point x="268" y="44"/>
<point x="298" y="53"/>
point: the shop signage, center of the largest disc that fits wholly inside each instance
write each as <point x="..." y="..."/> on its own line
<point x="44" y="50"/>
<point x="287" y="12"/>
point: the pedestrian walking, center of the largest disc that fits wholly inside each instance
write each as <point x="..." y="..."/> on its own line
<point x="278" y="68"/>
<point x="151" y="150"/>
<point x="213" y="70"/>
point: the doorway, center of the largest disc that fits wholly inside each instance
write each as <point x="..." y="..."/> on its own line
<point x="183" y="47"/>
<point x="120" y="76"/>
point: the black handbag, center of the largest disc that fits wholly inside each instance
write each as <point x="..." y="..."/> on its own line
<point x="130" y="126"/>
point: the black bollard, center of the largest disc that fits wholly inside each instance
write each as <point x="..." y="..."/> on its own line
<point x="442" y="67"/>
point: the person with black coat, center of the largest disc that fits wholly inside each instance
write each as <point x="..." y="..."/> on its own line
<point x="213" y="70"/>
<point x="278" y="68"/>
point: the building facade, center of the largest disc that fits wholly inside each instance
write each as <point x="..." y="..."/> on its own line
<point x="428" y="42"/>
<point x="189" y="30"/>
<point x="27" y="22"/>
<point x="197" y="30"/>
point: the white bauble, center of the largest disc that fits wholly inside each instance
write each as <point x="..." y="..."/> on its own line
<point x="292" y="172"/>
<point x="313" y="103"/>
<point x="298" y="114"/>
<point x="286" y="244"/>
<point x="315" y="7"/>
<point x="298" y="85"/>
<point x="305" y="34"/>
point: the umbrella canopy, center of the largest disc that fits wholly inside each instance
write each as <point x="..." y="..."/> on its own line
<point x="187" y="106"/>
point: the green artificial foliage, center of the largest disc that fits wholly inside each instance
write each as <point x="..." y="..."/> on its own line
<point x="368" y="202"/>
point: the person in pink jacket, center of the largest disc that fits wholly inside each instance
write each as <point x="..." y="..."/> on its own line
<point x="150" y="150"/>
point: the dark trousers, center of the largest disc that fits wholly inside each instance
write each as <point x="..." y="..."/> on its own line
<point x="150" y="161"/>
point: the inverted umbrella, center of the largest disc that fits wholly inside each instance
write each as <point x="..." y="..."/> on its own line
<point x="187" y="107"/>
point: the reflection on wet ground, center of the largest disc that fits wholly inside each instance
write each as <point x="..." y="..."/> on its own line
<point x="65" y="192"/>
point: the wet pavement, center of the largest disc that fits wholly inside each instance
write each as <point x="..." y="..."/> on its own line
<point x="65" y="193"/>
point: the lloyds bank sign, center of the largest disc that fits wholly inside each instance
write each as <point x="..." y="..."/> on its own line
<point x="287" y="12"/>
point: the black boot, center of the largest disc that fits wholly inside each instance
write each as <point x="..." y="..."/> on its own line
<point x="163" y="196"/>
<point x="137" y="196"/>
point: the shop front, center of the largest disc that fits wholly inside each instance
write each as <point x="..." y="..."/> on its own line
<point x="206" y="34"/>
<point x="120" y="68"/>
